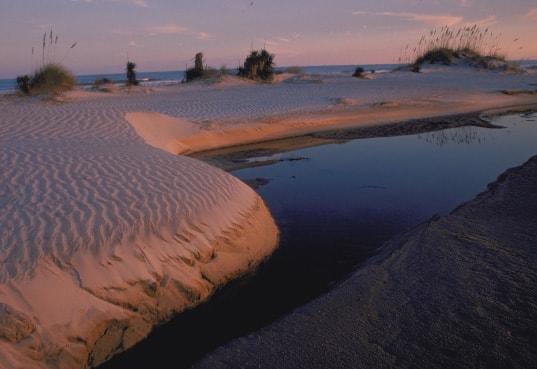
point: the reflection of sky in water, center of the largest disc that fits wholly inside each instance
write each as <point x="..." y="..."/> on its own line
<point x="334" y="211"/>
<point x="410" y="177"/>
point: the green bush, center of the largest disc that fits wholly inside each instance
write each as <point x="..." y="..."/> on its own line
<point x="49" y="79"/>
<point x="258" y="65"/>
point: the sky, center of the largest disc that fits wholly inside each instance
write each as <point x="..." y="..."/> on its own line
<point x="165" y="34"/>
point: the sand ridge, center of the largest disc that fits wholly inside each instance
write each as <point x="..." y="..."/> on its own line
<point x="104" y="236"/>
<point x="105" y="233"/>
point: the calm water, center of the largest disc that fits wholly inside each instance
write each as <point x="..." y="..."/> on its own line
<point x="334" y="210"/>
<point x="172" y="77"/>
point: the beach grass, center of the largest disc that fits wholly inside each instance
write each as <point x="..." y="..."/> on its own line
<point x="51" y="79"/>
<point x="477" y="46"/>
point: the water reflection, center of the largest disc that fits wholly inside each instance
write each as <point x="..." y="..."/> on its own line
<point x="334" y="210"/>
<point x="461" y="136"/>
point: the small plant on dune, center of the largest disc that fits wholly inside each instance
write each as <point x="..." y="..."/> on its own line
<point x="359" y="72"/>
<point x="51" y="77"/>
<point x="259" y="65"/>
<point x="478" y="46"/>
<point x="202" y="71"/>
<point x="131" y="74"/>
<point x="197" y="71"/>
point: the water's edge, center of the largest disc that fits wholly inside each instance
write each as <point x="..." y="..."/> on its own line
<point x="221" y="312"/>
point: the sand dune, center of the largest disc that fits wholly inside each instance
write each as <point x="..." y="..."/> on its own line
<point x="105" y="233"/>
<point x="104" y="236"/>
<point x="249" y="113"/>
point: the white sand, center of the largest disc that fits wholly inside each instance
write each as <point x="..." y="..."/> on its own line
<point x="105" y="233"/>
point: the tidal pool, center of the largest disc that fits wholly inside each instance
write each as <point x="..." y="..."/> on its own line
<point x="336" y="205"/>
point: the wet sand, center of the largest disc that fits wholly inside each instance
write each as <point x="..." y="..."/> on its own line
<point x="457" y="291"/>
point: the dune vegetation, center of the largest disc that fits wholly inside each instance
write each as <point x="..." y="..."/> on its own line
<point x="50" y="79"/>
<point x="202" y="71"/>
<point x="470" y="45"/>
<point x="259" y="65"/>
<point x="131" y="74"/>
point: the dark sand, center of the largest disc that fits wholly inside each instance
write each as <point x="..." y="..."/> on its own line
<point x="455" y="292"/>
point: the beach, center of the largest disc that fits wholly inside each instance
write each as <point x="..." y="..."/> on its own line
<point x="108" y="229"/>
<point x="457" y="291"/>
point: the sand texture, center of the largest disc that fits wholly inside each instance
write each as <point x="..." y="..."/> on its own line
<point x="105" y="232"/>
<point x="456" y="292"/>
<point x="104" y="236"/>
<point x="195" y="118"/>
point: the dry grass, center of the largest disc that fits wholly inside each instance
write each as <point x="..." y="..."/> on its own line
<point x="51" y="79"/>
<point x="477" y="46"/>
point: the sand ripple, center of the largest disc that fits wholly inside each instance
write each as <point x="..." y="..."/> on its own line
<point x="104" y="236"/>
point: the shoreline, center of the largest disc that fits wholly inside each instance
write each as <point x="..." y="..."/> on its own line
<point x="180" y="136"/>
<point x="237" y="157"/>
<point x="445" y="293"/>
<point x="107" y="232"/>
<point x="105" y="237"/>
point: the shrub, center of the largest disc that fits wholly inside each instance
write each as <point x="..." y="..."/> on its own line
<point x="49" y="79"/>
<point x="359" y="72"/>
<point x="258" y="65"/>
<point x="443" y="56"/>
<point x="198" y="71"/>
<point x="131" y="74"/>
<point x="476" y="46"/>
<point x="23" y="84"/>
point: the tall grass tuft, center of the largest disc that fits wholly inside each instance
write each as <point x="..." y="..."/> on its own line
<point x="480" y="46"/>
<point x="50" y="76"/>
<point x="131" y="74"/>
<point x="259" y="65"/>
<point x="50" y="79"/>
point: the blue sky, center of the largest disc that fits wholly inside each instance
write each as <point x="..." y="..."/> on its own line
<point x="165" y="34"/>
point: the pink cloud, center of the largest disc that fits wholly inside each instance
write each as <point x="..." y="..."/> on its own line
<point x="430" y="19"/>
